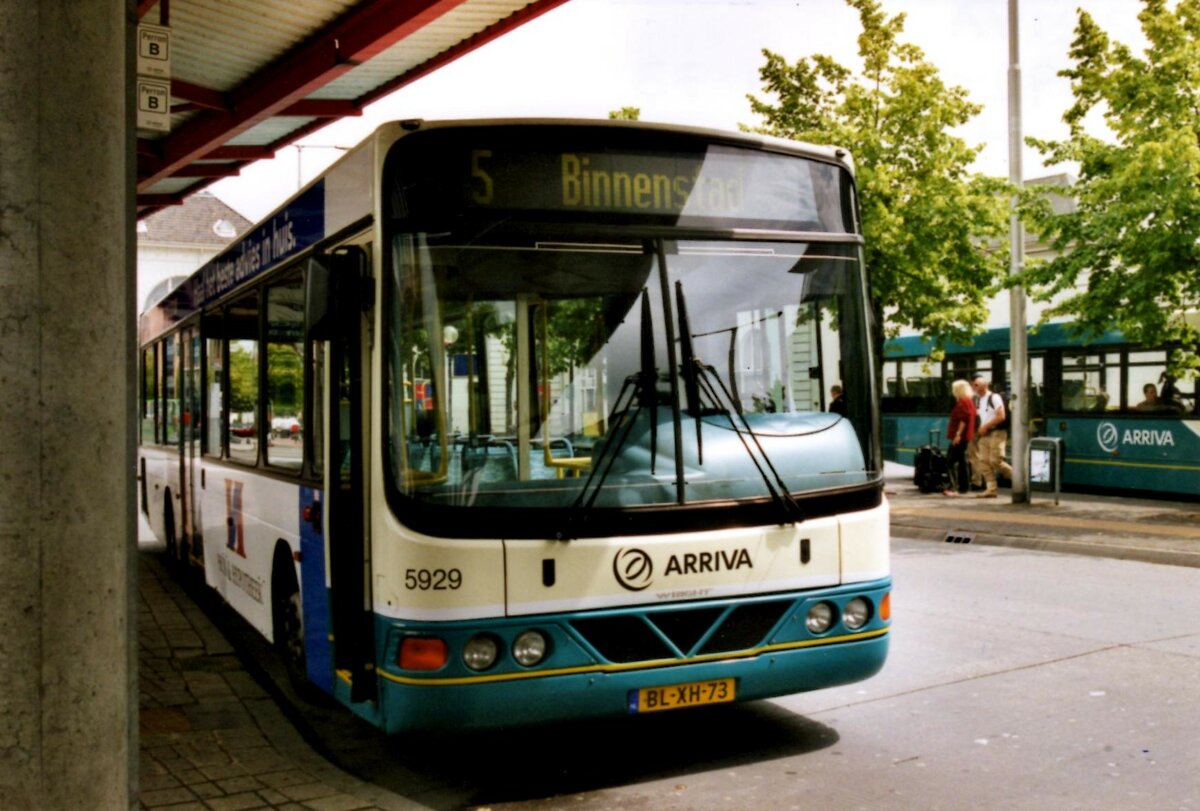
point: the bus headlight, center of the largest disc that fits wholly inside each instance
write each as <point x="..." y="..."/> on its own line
<point x="480" y="652"/>
<point x="856" y="613"/>
<point x="529" y="648"/>
<point x="820" y="618"/>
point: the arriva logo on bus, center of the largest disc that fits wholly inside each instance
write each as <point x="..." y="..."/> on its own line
<point x="634" y="569"/>
<point x="1109" y="437"/>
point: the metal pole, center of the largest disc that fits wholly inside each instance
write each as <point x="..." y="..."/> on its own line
<point x="1019" y="381"/>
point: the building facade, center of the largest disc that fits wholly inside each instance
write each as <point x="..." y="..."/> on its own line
<point x="177" y="240"/>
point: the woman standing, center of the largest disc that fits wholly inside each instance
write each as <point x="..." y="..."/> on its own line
<point x="960" y="432"/>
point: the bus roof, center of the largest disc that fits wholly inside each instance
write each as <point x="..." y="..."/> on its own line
<point x="832" y="154"/>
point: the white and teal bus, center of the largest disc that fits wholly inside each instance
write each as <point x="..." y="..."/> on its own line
<point x="500" y="422"/>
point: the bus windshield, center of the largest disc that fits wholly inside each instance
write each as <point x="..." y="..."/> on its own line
<point x="581" y="367"/>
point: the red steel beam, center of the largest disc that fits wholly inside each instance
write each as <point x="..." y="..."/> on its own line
<point x="164" y="10"/>
<point x="209" y="170"/>
<point x="323" y="108"/>
<point x="363" y="32"/>
<point x="245" y="152"/>
<point x="159" y="200"/>
<point x="494" y="31"/>
<point x="199" y="95"/>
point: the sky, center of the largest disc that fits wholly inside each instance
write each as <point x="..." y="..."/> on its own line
<point x="694" y="62"/>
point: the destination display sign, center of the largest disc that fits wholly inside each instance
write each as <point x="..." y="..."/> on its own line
<point x="701" y="183"/>
<point x="297" y="226"/>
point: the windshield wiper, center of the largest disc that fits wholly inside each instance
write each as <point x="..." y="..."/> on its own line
<point x="688" y="369"/>
<point x="700" y="382"/>
<point x="638" y="392"/>
<point x="698" y="376"/>
<point x="673" y="370"/>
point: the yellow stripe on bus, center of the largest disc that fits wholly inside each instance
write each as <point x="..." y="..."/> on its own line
<point x="1149" y="465"/>
<point x="648" y="665"/>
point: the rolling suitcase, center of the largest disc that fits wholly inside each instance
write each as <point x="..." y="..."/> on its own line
<point x="931" y="473"/>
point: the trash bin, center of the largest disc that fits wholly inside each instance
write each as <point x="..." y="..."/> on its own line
<point x="1045" y="465"/>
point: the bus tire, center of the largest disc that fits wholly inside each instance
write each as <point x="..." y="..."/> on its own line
<point x="288" y="620"/>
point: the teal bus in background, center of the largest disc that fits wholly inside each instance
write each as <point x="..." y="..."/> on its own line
<point x="1093" y="397"/>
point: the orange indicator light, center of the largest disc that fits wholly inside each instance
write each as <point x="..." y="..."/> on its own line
<point x="885" y="607"/>
<point x="422" y="653"/>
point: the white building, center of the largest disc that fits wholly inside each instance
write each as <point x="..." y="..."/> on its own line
<point x="1000" y="312"/>
<point x="174" y="242"/>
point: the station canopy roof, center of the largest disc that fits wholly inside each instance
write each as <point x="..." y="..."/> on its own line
<point x="249" y="77"/>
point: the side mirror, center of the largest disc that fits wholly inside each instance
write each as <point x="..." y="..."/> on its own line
<point x="318" y="305"/>
<point x="334" y="285"/>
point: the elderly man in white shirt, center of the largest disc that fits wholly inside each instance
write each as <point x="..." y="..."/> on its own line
<point x="991" y="436"/>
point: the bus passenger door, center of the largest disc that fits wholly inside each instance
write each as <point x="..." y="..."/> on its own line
<point x="342" y="325"/>
<point x="189" y="457"/>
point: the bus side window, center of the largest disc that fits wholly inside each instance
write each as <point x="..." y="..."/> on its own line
<point x="214" y="403"/>
<point x="1143" y="373"/>
<point x="170" y="391"/>
<point x="242" y="407"/>
<point x="315" y="429"/>
<point x="149" y="395"/>
<point x="1037" y="395"/>
<point x="285" y="373"/>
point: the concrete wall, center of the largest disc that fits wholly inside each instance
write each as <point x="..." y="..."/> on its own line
<point x="68" y="706"/>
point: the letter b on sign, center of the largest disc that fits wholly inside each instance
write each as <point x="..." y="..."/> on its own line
<point x="153" y="105"/>
<point x="154" y="51"/>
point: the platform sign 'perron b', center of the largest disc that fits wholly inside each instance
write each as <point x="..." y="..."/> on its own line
<point x="154" y="78"/>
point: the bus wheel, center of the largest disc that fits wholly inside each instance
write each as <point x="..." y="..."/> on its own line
<point x="288" y="623"/>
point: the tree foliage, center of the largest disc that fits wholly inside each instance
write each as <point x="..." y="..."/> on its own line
<point x="243" y="377"/>
<point x="625" y="114"/>
<point x="1130" y="252"/>
<point x="285" y="378"/>
<point x="931" y="226"/>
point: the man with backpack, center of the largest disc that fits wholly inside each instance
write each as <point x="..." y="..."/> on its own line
<point x="992" y="435"/>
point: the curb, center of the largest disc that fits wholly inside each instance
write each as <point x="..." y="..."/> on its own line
<point x="998" y="537"/>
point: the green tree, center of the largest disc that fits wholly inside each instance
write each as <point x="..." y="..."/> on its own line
<point x="285" y="378"/>
<point x="243" y="377"/>
<point x="626" y="114"/>
<point x="933" y="256"/>
<point x="1128" y="256"/>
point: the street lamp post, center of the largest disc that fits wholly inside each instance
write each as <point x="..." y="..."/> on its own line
<point x="1018" y="351"/>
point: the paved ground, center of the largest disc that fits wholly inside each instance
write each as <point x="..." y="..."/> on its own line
<point x="1149" y="530"/>
<point x="213" y="738"/>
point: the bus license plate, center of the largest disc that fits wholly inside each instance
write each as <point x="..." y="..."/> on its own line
<point x="676" y="696"/>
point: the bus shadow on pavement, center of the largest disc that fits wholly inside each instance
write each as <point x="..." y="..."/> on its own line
<point x="533" y="763"/>
<point x="461" y="769"/>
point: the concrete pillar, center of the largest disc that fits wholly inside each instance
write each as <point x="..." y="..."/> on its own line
<point x="67" y="532"/>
